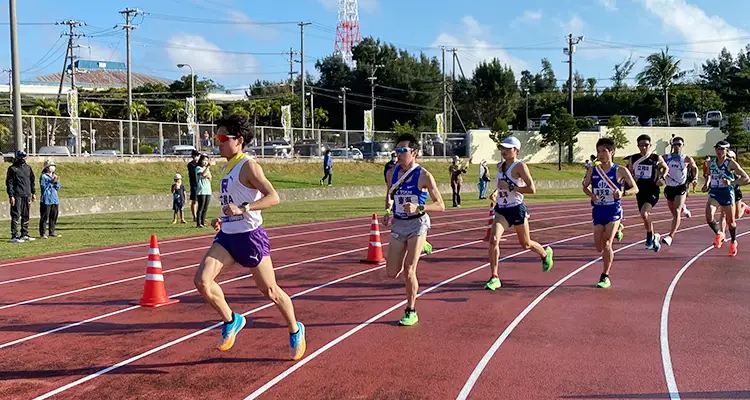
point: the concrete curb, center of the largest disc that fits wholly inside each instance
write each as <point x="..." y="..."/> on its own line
<point x="163" y="202"/>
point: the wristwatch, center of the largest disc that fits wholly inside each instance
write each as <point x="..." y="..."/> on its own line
<point x="511" y="186"/>
<point x="244" y="207"/>
<point x="421" y="208"/>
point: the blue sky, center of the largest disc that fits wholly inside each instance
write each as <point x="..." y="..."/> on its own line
<point x="520" y="33"/>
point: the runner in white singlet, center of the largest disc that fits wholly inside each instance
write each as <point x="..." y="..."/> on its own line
<point x="245" y="191"/>
<point x="512" y="181"/>
<point x="678" y="165"/>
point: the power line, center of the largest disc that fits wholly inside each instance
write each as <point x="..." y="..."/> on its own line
<point x="178" y="18"/>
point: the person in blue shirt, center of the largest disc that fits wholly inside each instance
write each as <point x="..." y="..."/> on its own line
<point x="49" y="183"/>
<point x="605" y="185"/>
<point x="327" y="165"/>
<point x="406" y="208"/>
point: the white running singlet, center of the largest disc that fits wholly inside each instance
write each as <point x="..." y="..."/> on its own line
<point x="677" y="173"/>
<point x="505" y="198"/>
<point x="233" y="191"/>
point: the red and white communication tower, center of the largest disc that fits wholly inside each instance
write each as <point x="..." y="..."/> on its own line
<point x="347" y="30"/>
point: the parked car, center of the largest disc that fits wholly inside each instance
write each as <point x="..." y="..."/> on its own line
<point x="182" y="150"/>
<point x="691" y="118"/>
<point x="353" y="153"/>
<point x="105" y="153"/>
<point x="53" y="151"/>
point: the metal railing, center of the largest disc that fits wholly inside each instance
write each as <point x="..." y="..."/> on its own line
<point x="51" y="135"/>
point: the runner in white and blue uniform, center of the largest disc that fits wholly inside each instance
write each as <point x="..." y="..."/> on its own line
<point x="245" y="191"/>
<point x="406" y="208"/>
<point x="720" y="184"/>
<point x="740" y="208"/>
<point x="607" y="181"/>
<point x="513" y="179"/>
<point x="679" y="167"/>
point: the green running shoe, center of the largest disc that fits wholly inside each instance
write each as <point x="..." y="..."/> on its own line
<point x="492" y="284"/>
<point x="604" y="282"/>
<point x="619" y="235"/>
<point x="547" y="262"/>
<point x="410" y="318"/>
<point x="427" y="248"/>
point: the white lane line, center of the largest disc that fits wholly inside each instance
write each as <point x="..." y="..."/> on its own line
<point x="666" y="358"/>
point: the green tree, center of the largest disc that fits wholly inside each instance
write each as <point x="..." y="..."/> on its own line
<point x="499" y="131"/>
<point x="661" y="71"/>
<point x="735" y="133"/>
<point x="616" y="132"/>
<point x="561" y="130"/>
<point x="91" y="110"/>
<point x="210" y="111"/>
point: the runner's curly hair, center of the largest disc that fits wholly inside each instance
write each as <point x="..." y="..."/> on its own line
<point x="237" y="125"/>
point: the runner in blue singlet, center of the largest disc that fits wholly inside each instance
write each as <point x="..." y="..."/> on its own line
<point x="406" y="208"/>
<point x="606" y="182"/>
<point x="720" y="184"/>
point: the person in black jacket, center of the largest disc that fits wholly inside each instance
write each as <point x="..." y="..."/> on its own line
<point x="19" y="183"/>
<point x="193" y="182"/>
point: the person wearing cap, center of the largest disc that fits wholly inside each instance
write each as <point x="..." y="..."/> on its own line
<point x="679" y="168"/>
<point x="648" y="168"/>
<point x="484" y="178"/>
<point x="21" y="188"/>
<point x="49" y="202"/>
<point x="720" y="184"/>
<point x="740" y="207"/>
<point x="178" y="199"/>
<point x="407" y="213"/>
<point x="192" y="179"/>
<point x="241" y="239"/>
<point x="456" y="170"/>
<point x="607" y="187"/>
<point x="390" y="164"/>
<point x="512" y="181"/>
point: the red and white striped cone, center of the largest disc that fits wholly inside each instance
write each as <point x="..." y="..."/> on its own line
<point x="154" y="292"/>
<point x="375" y="248"/>
<point x="490" y="221"/>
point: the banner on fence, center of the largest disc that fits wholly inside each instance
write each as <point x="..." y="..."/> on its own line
<point x="368" y="126"/>
<point x="440" y="122"/>
<point x="286" y="122"/>
<point x="191" y="117"/>
<point x="75" y="123"/>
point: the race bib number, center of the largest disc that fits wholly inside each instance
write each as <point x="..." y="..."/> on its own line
<point x="605" y="196"/>
<point x="502" y="196"/>
<point x="718" y="179"/>
<point x="400" y="201"/>
<point x="643" y="171"/>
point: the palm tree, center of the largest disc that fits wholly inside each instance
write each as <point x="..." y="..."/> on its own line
<point x="91" y="110"/>
<point x="48" y="108"/>
<point x="258" y="108"/>
<point x="210" y="112"/>
<point x="138" y="109"/>
<point x="172" y="110"/>
<point x="662" y="70"/>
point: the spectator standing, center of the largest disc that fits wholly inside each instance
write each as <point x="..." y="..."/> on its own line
<point x="203" y="179"/>
<point x="456" y="170"/>
<point x="193" y="183"/>
<point x="21" y="188"/>
<point x="389" y="165"/>
<point x="178" y="199"/>
<point x="327" y="166"/>
<point x="49" y="202"/>
<point x="484" y="179"/>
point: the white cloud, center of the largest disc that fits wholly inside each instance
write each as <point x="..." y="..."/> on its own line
<point x="206" y="57"/>
<point x="366" y="5"/>
<point x="262" y="32"/>
<point x="531" y="16"/>
<point x="94" y="52"/>
<point x="609" y="4"/>
<point x="474" y="48"/>
<point x="695" y="25"/>
<point x="573" y="25"/>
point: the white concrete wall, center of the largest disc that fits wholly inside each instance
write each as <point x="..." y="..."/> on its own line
<point x="699" y="141"/>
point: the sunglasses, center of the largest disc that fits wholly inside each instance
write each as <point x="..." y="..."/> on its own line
<point x="403" y="149"/>
<point x="224" y="138"/>
<point x="677" y="144"/>
<point x="644" y="144"/>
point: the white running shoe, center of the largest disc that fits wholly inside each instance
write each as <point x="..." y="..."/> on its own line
<point x="686" y="212"/>
<point x="667" y="239"/>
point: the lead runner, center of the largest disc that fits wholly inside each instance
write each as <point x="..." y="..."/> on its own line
<point x="245" y="191"/>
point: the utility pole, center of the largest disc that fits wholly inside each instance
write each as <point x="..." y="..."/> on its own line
<point x="302" y="67"/>
<point x="372" y="78"/>
<point x="343" y="101"/>
<point x="445" y="94"/>
<point x="572" y="42"/>
<point x="453" y="83"/>
<point x="69" y="54"/>
<point x="129" y="13"/>
<point x="15" y="72"/>
<point x="291" y="53"/>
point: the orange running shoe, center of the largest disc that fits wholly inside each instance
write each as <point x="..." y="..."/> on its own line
<point x="718" y="240"/>
<point x="733" y="249"/>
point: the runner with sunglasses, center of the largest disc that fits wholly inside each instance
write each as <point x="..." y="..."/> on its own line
<point x="720" y="184"/>
<point x="513" y="179"/>
<point x="406" y="208"/>
<point x="675" y="191"/>
<point x="606" y="182"/>
<point x="241" y="239"/>
<point x="647" y="168"/>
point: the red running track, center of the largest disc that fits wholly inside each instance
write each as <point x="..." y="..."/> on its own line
<point x="577" y="342"/>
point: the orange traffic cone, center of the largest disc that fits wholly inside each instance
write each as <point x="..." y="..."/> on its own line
<point x="490" y="222"/>
<point x="154" y="293"/>
<point x="375" y="249"/>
